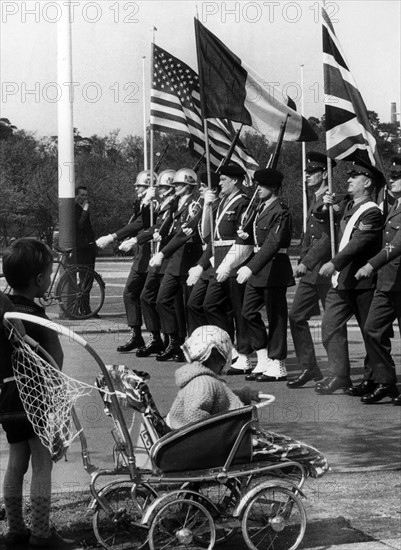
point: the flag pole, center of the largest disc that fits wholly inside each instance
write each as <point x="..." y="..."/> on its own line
<point x="66" y="183"/>
<point x="330" y="190"/>
<point x="145" y="139"/>
<point x="331" y="211"/>
<point x="304" y="190"/>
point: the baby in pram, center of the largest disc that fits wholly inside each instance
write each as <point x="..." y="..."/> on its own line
<point x="203" y="392"/>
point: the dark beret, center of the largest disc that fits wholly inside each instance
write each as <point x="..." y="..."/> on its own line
<point x="232" y="170"/>
<point x="268" y="177"/>
<point x="215" y="179"/>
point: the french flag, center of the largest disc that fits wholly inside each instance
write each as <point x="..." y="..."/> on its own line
<point x="232" y="90"/>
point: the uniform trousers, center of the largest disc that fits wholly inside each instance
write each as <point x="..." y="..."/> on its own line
<point x="196" y="316"/>
<point x="341" y="305"/>
<point x="148" y="300"/>
<point x="384" y="309"/>
<point x="195" y="311"/>
<point x="173" y="294"/>
<point x="221" y="297"/>
<point x="131" y="295"/>
<point x="304" y="306"/>
<point x="275" y="302"/>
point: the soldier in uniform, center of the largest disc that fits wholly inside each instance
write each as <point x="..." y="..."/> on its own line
<point x="198" y="277"/>
<point x="160" y="234"/>
<point x="227" y="251"/>
<point x="180" y="260"/>
<point x="361" y="232"/>
<point x="267" y="275"/>
<point x="137" y="276"/>
<point x="312" y="287"/>
<point x="386" y="303"/>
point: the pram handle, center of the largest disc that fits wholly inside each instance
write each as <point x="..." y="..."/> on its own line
<point x="266" y="398"/>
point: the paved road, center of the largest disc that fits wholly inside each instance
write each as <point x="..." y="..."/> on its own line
<point x="362" y="442"/>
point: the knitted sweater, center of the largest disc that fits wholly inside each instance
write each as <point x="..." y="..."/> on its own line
<point x="201" y="394"/>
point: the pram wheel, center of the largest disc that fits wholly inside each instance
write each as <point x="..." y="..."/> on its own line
<point x="225" y="497"/>
<point x="181" y="524"/>
<point x="119" y="528"/>
<point x="274" y="518"/>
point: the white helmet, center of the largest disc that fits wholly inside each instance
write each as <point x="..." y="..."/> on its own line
<point x="143" y="178"/>
<point x="166" y="178"/>
<point x="185" y="176"/>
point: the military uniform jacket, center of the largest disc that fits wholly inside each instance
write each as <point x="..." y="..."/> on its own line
<point x="162" y="226"/>
<point x="228" y="221"/>
<point x="270" y="265"/>
<point x="366" y="238"/>
<point x="315" y="245"/>
<point x="141" y="253"/>
<point x="388" y="260"/>
<point x="188" y="254"/>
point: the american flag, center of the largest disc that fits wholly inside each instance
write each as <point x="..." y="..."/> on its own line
<point x="175" y="108"/>
<point x="349" y="133"/>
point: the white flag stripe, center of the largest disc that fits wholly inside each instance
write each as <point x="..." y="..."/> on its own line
<point x="266" y="111"/>
<point x="345" y="74"/>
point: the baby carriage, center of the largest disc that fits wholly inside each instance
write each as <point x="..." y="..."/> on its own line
<point x="199" y="485"/>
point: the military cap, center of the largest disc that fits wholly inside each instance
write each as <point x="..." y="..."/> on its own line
<point x="232" y="170"/>
<point x="360" y="167"/>
<point x="395" y="170"/>
<point x="215" y="179"/>
<point x="268" y="177"/>
<point x="317" y="161"/>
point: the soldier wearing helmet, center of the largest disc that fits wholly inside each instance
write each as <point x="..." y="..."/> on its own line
<point x="139" y="221"/>
<point x="183" y="253"/>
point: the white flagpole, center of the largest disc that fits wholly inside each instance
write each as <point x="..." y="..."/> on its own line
<point x="66" y="184"/>
<point x="145" y="139"/>
<point x="304" y="190"/>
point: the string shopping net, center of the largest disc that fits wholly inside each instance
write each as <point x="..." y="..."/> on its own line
<point x="48" y="396"/>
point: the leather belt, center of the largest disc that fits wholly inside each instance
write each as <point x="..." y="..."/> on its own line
<point x="224" y="243"/>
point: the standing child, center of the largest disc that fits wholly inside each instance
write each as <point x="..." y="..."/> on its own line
<point x="27" y="266"/>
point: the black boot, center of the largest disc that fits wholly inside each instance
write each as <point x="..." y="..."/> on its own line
<point x="172" y="350"/>
<point x="135" y="341"/>
<point x="154" y="345"/>
<point x="304" y="377"/>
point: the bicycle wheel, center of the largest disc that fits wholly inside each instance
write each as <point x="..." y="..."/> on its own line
<point x="119" y="529"/>
<point x="80" y="292"/>
<point x="274" y="519"/>
<point x="181" y="524"/>
<point x="225" y="497"/>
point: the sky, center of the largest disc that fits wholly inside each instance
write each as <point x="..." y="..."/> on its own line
<point x="112" y="44"/>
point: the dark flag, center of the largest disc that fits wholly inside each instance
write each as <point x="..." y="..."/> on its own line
<point x="232" y="90"/>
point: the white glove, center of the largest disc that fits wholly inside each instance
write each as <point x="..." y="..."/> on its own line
<point x="222" y="272"/>
<point x="243" y="274"/>
<point x="156" y="236"/>
<point x="187" y="230"/>
<point x="150" y="193"/>
<point x="104" y="241"/>
<point x="128" y="245"/>
<point x="156" y="260"/>
<point x="209" y="197"/>
<point x="193" y="275"/>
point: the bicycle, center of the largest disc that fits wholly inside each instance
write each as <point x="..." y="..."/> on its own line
<point x="77" y="289"/>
